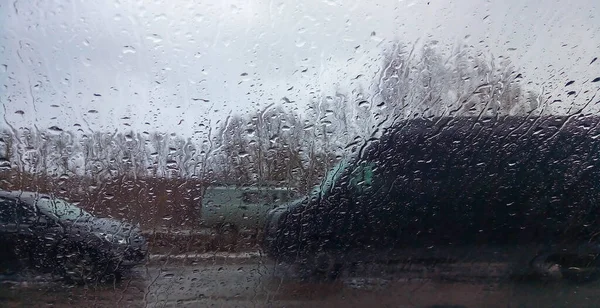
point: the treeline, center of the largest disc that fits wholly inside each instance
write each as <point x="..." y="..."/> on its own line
<point x="273" y="146"/>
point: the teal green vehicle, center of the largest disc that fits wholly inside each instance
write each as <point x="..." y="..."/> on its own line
<point x="231" y="210"/>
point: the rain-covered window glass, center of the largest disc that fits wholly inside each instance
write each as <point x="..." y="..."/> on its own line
<point x="61" y="209"/>
<point x="314" y="153"/>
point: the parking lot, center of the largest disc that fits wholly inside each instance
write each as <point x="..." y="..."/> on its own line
<point x="248" y="280"/>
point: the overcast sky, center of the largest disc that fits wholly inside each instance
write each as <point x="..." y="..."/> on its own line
<point x="172" y="65"/>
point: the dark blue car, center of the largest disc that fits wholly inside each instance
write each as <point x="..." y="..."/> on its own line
<point x="523" y="190"/>
<point x="53" y="235"/>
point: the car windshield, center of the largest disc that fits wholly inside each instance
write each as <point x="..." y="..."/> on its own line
<point x="61" y="209"/>
<point x="331" y="178"/>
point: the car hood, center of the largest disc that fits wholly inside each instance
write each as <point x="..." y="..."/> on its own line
<point x="106" y="225"/>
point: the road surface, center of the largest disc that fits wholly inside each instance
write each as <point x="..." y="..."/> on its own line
<point x="251" y="281"/>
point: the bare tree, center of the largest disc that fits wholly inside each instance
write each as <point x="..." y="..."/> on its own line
<point x="426" y="83"/>
<point x="7" y="142"/>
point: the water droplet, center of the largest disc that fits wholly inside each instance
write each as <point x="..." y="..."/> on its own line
<point x="92" y="111"/>
<point x="4" y="163"/>
<point x="160" y="17"/>
<point x="199" y="17"/>
<point x="55" y="129"/>
<point x="97" y="94"/>
<point x="128" y="49"/>
<point x="155" y="38"/>
<point x="21" y="112"/>
<point x="363" y="103"/>
<point x="596" y="79"/>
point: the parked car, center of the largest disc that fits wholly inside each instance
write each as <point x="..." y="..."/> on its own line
<point x="53" y="235"/>
<point x="231" y="210"/>
<point x="522" y="190"/>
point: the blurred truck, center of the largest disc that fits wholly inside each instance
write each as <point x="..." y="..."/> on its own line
<point x="230" y="211"/>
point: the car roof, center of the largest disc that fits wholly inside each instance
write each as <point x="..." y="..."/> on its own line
<point x="27" y="196"/>
<point x="500" y="124"/>
<point x="250" y="188"/>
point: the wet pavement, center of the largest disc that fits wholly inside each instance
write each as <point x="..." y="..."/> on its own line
<point x="256" y="282"/>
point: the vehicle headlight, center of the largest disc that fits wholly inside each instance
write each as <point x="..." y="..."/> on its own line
<point x="112" y="238"/>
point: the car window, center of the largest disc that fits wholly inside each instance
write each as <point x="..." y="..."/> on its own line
<point x="59" y="209"/>
<point x="331" y="177"/>
<point x="361" y="178"/>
